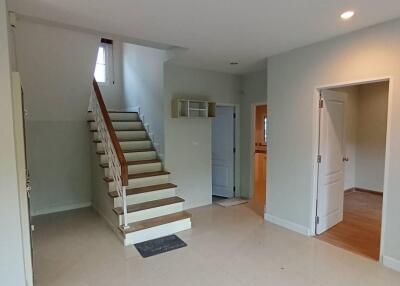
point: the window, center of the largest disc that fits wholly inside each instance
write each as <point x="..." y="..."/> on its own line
<point x="104" y="70"/>
<point x="100" y="72"/>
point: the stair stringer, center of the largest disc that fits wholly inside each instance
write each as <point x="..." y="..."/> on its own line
<point x="101" y="201"/>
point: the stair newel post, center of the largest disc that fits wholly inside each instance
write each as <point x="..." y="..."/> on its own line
<point x="125" y="183"/>
<point x="126" y="226"/>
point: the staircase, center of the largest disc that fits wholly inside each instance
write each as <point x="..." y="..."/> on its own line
<point x="145" y="206"/>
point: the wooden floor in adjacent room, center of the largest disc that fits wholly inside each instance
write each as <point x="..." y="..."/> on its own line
<point x="360" y="230"/>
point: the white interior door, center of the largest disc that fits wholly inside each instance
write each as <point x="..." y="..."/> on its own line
<point x="331" y="167"/>
<point x="223" y="142"/>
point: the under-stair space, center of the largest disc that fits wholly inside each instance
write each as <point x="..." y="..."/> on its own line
<point x="153" y="209"/>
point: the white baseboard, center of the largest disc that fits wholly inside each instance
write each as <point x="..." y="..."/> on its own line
<point x="61" y="208"/>
<point x="390" y="262"/>
<point x="287" y="224"/>
<point x="196" y="204"/>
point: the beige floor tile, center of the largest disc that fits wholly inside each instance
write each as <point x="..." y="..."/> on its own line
<point x="226" y="246"/>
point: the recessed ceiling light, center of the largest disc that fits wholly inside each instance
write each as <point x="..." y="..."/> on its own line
<point x="234" y="63"/>
<point x="347" y="15"/>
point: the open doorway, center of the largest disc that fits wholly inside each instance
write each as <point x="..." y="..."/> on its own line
<point x="351" y="166"/>
<point x="259" y="158"/>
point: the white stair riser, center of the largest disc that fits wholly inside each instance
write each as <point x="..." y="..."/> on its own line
<point x="145" y="197"/>
<point x="143" y="168"/>
<point x="152" y="213"/>
<point x="124" y="116"/>
<point x="133" y="156"/>
<point x="133" y="135"/>
<point x="118" y="116"/>
<point x="121" y="125"/>
<point x="157" y="231"/>
<point x="145" y="144"/>
<point x="143" y="182"/>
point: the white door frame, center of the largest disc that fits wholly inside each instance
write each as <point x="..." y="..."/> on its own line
<point x="252" y="148"/>
<point x="18" y="117"/>
<point x="316" y="142"/>
<point x="236" y="155"/>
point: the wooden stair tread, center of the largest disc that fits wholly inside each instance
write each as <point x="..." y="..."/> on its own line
<point x="127" y="140"/>
<point x="138" y="162"/>
<point x="149" y="205"/>
<point x="118" y="120"/>
<point x="130" y="151"/>
<point x="141" y="190"/>
<point x="119" y="130"/>
<point x="140" y="175"/>
<point x="153" y="222"/>
<point x="116" y="111"/>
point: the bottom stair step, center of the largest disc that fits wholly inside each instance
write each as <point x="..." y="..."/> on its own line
<point x="154" y="222"/>
<point x="146" y="189"/>
<point x="149" y="205"/>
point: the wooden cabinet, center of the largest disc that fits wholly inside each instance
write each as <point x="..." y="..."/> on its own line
<point x="190" y="108"/>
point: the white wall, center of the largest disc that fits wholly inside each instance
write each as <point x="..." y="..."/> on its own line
<point x="56" y="67"/>
<point x="371" y="136"/>
<point x="350" y="95"/>
<point x="254" y="90"/>
<point x="143" y="81"/>
<point x="188" y="141"/>
<point x="292" y="79"/>
<point x="12" y="270"/>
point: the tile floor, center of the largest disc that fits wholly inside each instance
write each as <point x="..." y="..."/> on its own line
<point x="227" y="246"/>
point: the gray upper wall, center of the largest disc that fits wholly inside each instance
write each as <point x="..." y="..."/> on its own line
<point x="371" y="136"/>
<point x="292" y="81"/>
<point x="365" y="138"/>
<point x="143" y="85"/>
<point x="188" y="141"/>
<point x="56" y="67"/>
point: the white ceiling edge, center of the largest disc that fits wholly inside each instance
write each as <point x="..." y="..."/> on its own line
<point x="173" y="52"/>
<point x="117" y="37"/>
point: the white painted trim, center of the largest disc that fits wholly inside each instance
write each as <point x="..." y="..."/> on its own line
<point x="314" y="178"/>
<point x="287" y="224"/>
<point x="19" y="135"/>
<point x="389" y="132"/>
<point x="252" y="148"/>
<point x="315" y="151"/>
<point x="391" y="262"/>
<point x="237" y="145"/>
<point x="61" y="208"/>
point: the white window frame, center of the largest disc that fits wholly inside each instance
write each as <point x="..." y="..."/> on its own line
<point x="108" y="62"/>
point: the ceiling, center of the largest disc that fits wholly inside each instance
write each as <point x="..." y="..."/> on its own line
<point x="217" y="32"/>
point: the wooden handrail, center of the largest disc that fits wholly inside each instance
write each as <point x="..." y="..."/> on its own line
<point x="113" y="135"/>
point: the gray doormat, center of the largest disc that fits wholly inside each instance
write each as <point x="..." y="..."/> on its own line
<point x="159" y="245"/>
